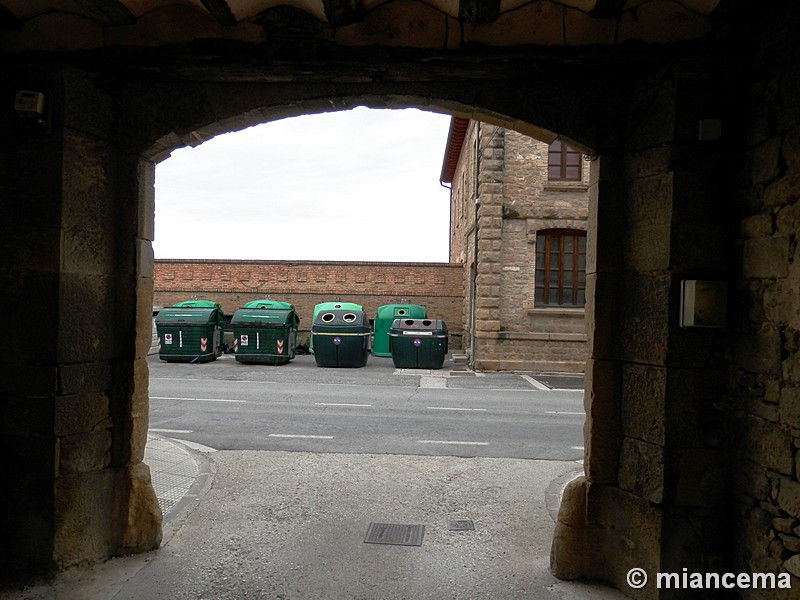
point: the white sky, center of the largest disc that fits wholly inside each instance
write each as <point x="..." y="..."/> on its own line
<point x="354" y="185"/>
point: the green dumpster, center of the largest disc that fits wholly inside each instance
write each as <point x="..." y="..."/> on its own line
<point x="330" y="306"/>
<point x="383" y="322"/>
<point x="265" y="333"/>
<point x="275" y="304"/>
<point x="190" y="331"/>
<point x="341" y="338"/>
<point x="418" y="343"/>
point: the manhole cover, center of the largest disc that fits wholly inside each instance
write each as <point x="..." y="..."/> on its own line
<point x="462" y="374"/>
<point x="396" y="534"/>
<point x="461" y="525"/>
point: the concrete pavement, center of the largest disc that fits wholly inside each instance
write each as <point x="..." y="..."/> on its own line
<point x="292" y="525"/>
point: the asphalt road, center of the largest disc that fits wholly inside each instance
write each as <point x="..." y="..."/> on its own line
<point x="376" y="409"/>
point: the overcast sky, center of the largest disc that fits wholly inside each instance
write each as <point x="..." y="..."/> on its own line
<point x="354" y="185"/>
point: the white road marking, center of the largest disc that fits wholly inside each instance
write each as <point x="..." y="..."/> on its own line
<point x="292" y="435"/>
<point x="537" y="384"/>
<point x="171" y="430"/>
<point x="577" y="447"/>
<point x="198" y="399"/>
<point x="176" y="378"/>
<point x="563" y="412"/>
<point x="453" y="442"/>
<point x="340" y="404"/>
<point x="454" y="408"/>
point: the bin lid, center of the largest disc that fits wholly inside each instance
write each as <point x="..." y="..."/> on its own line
<point x="393" y="311"/>
<point x="265" y="317"/>
<point x="188" y="316"/>
<point x="275" y="304"/>
<point x="403" y="326"/>
<point x="343" y="319"/>
<point x="197" y="304"/>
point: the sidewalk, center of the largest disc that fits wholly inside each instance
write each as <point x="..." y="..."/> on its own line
<point x="292" y="525"/>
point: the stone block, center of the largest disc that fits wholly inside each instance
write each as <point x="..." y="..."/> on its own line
<point x="85" y="452"/>
<point x="79" y="378"/>
<point x="568" y="551"/>
<point x="766" y="257"/>
<point x="84" y="517"/>
<point x="789" y="406"/>
<point x="623" y="531"/>
<point x="789" y="497"/>
<point x="141" y="528"/>
<point x="647" y="247"/>
<point x="602" y="435"/>
<point x="766" y="161"/>
<point x="756" y="226"/>
<point x="641" y="469"/>
<point x="81" y="413"/>
<point x="759" y="352"/>
<point x="767" y="444"/>
<point x="85" y="311"/>
<point x="644" y="391"/>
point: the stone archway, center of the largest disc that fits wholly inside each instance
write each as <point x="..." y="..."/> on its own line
<point x="77" y="272"/>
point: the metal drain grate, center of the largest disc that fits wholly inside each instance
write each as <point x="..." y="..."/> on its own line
<point x="461" y="525"/>
<point x="396" y="534"/>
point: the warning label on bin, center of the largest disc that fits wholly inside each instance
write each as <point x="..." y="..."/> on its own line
<point x="203" y="344"/>
<point x="280" y="346"/>
<point x="337" y="340"/>
<point x="417" y="342"/>
<point x="167" y="338"/>
<point x="245" y="340"/>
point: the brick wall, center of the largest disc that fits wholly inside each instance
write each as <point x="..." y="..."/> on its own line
<point x="437" y="286"/>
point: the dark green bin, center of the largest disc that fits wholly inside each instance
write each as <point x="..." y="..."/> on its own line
<point x="418" y="343"/>
<point x="190" y="331"/>
<point x="341" y="338"/>
<point x="383" y="322"/>
<point x="330" y="306"/>
<point x="265" y="332"/>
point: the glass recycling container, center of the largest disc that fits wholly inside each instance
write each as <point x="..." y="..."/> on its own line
<point x="330" y="306"/>
<point x="418" y="343"/>
<point x="341" y="338"/>
<point x="383" y="322"/>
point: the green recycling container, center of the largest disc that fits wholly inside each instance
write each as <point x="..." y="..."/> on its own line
<point x="330" y="306"/>
<point x="341" y="338"/>
<point x="190" y="331"/>
<point x="418" y="343"/>
<point x="383" y="322"/>
<point x="265" y="332"/>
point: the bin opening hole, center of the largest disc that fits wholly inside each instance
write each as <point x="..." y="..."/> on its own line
<point x="409" y="321"/>
<point x="426" y="323"/>
<point x="401" y="312"/>
<point x="337" y="306"/>
<point x="328" y="317"/>
<point x="348" y="318"/>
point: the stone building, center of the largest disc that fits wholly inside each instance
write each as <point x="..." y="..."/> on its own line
<point x="692" y="108"/>
<point x="525" y="298"/>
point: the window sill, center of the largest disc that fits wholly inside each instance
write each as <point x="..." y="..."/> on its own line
<point x="566" y="186"/>
<point x="558" y="312"/>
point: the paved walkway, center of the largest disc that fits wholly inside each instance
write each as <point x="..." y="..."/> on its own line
<point x="292" y="525"/>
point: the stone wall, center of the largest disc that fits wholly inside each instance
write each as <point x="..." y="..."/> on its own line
<point x="515" y="202"/>
<point x="436" y="286"/>
<point x="765" y="379"/>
